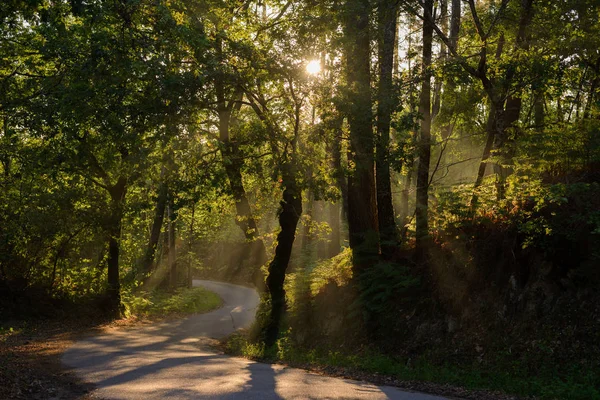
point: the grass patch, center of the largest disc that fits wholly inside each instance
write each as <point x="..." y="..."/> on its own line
<point x="506" y="376"/>
<point x="161" y="303"/>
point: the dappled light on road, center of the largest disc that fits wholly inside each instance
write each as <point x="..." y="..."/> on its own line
<point x="172" y="360"/>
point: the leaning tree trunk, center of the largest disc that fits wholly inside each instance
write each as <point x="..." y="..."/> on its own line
<point x="362" y="199"/>
<point x="424" y="147"/>
<point x="496" y="111"/>
<point x="289" y="214"/>
<point x="385" y="105"/>
<point x="113" y="227"/>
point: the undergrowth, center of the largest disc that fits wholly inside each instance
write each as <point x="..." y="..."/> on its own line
<point x="499" y="307"/>
<point x="506" y="375"/>
<point x="159" y="303"/>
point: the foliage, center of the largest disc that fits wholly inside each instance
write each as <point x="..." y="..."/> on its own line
<point x="506" y="375"/>
<point x="107" y="106"/>
<point x="337" y="270"/>
<point x="159" y="303"/>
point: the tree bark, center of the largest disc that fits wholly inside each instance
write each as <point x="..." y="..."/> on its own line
<point x="424" y="147"/>
<point x="335" y="147"/>
<point x="340" y="176"/>
<point x="538" y="110"/>
<point x="449" y="96"/>
<point x="308" y="211"/>
<point x="362" y="199"/>
<point x="405" y="197"/>
<point x="455" y="23"/>
<point x="172" y="255"/>
<point x="504" y="142"/>
<point x="385" y="105"/>
<point x="593" y="90"/>
<point x="117" y="195"/>
<point x="437" y="88"/>
<point x="191" y="246"/>
<point x="495" y="110"/>
<point x="6" y="159"/>
<point x="335" y="238"/>
<point x="60" y="253"/>
<point x="289" y="214"/>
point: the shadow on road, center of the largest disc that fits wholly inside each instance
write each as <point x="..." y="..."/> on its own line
<point x="262" y="382"/>
<point x="171" y="360"/>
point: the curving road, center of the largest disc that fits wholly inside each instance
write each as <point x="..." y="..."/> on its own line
<point x="169" y="361"/>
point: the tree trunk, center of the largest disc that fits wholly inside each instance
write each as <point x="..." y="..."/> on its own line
<point x="512" y="109"/>
<point x="289" y="214"/>
<point x="405" y="197"/>
<point x="437" y="88"/>
<point x="159" y="213"/>
<point x="191" y="246"/>
<point x="593" y="90"/>
<point x="362" y="200"/>
<point x="495" y="110"/>
<point x="538" y="110"/>
<point x="60" y="253"/>
<point x="424" y="148"/>
<point x="335" y="219"/>
<point x="335" y="238"/>
<point x="340" y="176"/>
<point x="504" y="143"/>
<point x="385" y="105"/>
<point x="449" y="94"/>
<point x="113" y="227"/>
<point x="172" y="255"/>
<point x="306" y="234"/>
<point x="455" y="23"/>
<point x="6" y="159"/>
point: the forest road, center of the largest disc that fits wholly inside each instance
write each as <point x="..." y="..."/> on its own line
<point x="170" y="360"/>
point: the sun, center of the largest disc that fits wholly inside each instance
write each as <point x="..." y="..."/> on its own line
<point x="313" y="67"/>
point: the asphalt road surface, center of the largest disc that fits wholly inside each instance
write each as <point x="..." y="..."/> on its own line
<point x="171" y="360"/>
